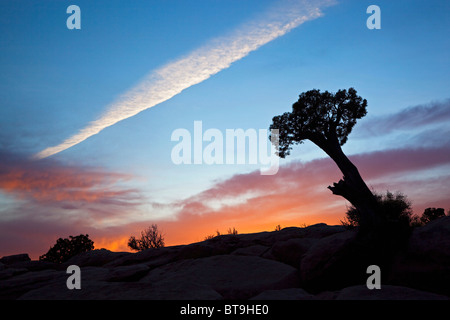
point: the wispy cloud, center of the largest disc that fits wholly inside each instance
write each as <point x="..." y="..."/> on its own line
<point x="49" y="181"/>
<point x="433" y="113"/>
<point x="171" y="79"/>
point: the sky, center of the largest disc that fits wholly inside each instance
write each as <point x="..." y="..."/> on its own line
<point x="87" y="115"/>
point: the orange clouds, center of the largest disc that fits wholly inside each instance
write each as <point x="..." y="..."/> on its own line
<point x="297" y="194"/>
<point x="250" y="202"/>
<point x="49" y="181"/>
<point x="57" y="200"/>
<point x="115" y="243"/>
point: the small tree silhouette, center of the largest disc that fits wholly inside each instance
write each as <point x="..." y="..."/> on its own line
<point x="327" y="119"/>
<point x="150" y="238"/>
<point x="431" y="214"/>
<point x="64" y="249"/>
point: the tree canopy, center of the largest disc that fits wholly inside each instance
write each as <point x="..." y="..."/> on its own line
<point x="396" y="208"/>
<point x="66" y="248"/>
<point x="321" y="117"/>
<point x="431" y="214"/>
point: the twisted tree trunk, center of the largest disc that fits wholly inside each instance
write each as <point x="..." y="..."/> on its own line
<point x="352" y="186"/>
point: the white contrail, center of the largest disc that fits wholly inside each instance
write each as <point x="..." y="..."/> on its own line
<point x="169" y="80"/>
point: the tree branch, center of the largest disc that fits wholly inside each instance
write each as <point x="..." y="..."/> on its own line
<point x="342" y="188"/>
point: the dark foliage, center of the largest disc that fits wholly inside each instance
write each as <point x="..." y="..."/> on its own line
<point x="64" y="249"/>
<point x="431" y="214"/>
<point x="150" y="238"/>
<point x="319" y="117"/>
<point x="230" y="231"/>
<point x="396" y="210"/>
<point x="390" y="236"/>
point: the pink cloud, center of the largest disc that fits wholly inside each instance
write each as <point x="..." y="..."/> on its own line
<point x="57" y="200"/>
<point x="48" y="181"/>
<point x="408" y="118"/>
<point x="297" y="194"/>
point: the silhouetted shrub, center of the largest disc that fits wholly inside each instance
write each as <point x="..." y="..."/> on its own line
<point x="351" y="219"/>
<point x="211" y="236"/>
<point x="428" y="215"/>
<point x="415" y="221"/>
<point x="431" y="214"/>
<point x="395" y="210"/>
<point x="229" y="231"/>
<point x="381" y="245"/>
<point x="150" y="238"/>
<point x="64" y="249"/>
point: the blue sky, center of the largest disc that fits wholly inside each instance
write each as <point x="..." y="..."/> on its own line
<point x="54" y="81"/>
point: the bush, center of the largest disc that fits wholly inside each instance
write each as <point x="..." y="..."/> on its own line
<point x="431" y="214"/>
<point x="416" y="222"/>
<point x="211" y="236"/>
<point x="64" y="249"/>
<point x="151" y="238"/>
<point x="395" y="209"/>
<point x="230" y="231"/>
<point x="381" y="244"/>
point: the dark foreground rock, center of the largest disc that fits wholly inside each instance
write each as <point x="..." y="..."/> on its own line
<point x="312" y="263"/>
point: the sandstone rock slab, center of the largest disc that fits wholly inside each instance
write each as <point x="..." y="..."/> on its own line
<point x="233" y="276"/>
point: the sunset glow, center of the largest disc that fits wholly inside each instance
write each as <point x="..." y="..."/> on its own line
<point x="87" y="115"/>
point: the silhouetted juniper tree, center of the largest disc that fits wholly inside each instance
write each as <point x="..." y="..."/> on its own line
<point x="64" y="249"/>
<point x="327" y="119"/>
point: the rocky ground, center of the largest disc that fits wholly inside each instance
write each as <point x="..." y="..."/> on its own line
<point x="316" y="262"/>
